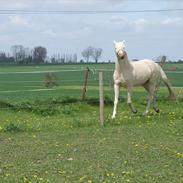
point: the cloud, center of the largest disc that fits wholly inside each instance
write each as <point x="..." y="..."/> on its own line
<point x="19" y="21"/>
<point x="50" y="33"/>
<point x="118" y="19"/>
<point x="173" y="21"/>
<point x="129" y="24"/>
<point x="60" y="31"/>
<point x="140" y="24"/>
<point x="3" y="27"/>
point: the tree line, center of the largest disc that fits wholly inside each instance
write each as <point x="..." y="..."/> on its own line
<point x="39" y="55"/>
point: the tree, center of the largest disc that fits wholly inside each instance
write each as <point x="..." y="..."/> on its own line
<point x="21" y="55"/>
<point x="2" y="55"/>
<point x="28" y="56"/>
<point x="162" y="59"/>
<point x="87" y="53"/>
<point x="63" y="58"/>
<point x="39" y="54"/>
<point x="18" y="53"/>
<point x="74" y="58"/>
<point x="97" y="53"/>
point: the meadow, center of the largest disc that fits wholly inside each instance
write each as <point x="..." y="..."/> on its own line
<point x="48" y="134"/>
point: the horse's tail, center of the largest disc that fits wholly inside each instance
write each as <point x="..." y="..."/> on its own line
<point x="168" y="84"/>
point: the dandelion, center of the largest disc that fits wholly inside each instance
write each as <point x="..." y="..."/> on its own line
<point x="25" y="179"/>
<point x="62" y="172"/>
<point x="89" y="181"/>
<point x="112" y="174"/>
<point x="180" y="154"/>
<point x="81" y="178"/>
<point x="70" y="159"/>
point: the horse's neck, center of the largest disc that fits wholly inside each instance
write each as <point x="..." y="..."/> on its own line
<point x="123" y="65"/>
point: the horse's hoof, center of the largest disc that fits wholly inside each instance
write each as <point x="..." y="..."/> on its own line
<point x="134" y="111"/>
<point x="157" y="110"/>
<point x="112" y="117"/>
<point x="144" y="113"/>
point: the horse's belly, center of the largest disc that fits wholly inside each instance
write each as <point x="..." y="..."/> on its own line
<point x="141" y="75"/>
<point x="139" y="83"/>
<point x="141" y="79"/>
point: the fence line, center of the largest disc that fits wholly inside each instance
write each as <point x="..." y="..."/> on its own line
<point x="14" y="91"/>
<point x="37" y="72"/>
<point x="72" y="70"/>
<point x="107" y="79"/>
<point x="30" y="81"/>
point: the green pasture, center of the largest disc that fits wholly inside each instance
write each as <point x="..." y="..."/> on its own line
<point x="19" y="83"/>
<point x="62" y="141"/>
<point x="48" y="135"/>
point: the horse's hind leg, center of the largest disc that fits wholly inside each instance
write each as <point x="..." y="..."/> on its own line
<point x="156" y="109"/>
<point x="151" y="98"/>
<point x="129" y="100"/>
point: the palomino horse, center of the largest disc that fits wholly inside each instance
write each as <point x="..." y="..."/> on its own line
<point x="144" y="73"/>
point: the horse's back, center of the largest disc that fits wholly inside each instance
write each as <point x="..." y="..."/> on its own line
<point x="144" y="70"/>
<point x="139" y="73"/>
<point x="146" y="64"/>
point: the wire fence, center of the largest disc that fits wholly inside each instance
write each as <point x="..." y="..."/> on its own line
<point x="23" y="86"/>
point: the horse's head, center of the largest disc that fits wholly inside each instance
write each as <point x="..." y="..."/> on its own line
<point x="120" y="49"/>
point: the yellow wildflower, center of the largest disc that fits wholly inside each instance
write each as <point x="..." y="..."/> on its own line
<point x="81" y="178"/>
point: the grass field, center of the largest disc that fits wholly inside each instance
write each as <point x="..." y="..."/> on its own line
<point x="50" y="135"/>
<point x="20" y="83"/>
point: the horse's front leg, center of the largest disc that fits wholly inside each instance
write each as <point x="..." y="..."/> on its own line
<point x="129" y="100"/>
<point x="116" y="96"/>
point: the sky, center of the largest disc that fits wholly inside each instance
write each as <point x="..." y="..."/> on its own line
<point x="147" y="35"/>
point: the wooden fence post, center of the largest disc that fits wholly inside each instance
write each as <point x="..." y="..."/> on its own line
<point x="101" y="96"/>
<point x="85" y="83"/>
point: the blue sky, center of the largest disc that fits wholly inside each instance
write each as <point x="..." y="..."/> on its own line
<point x="147" y="35"/>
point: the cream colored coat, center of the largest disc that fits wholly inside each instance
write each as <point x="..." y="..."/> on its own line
<point x="144" y="73"/>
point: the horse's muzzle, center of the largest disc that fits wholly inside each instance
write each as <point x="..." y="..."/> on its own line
<point x="122" y="57"/>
